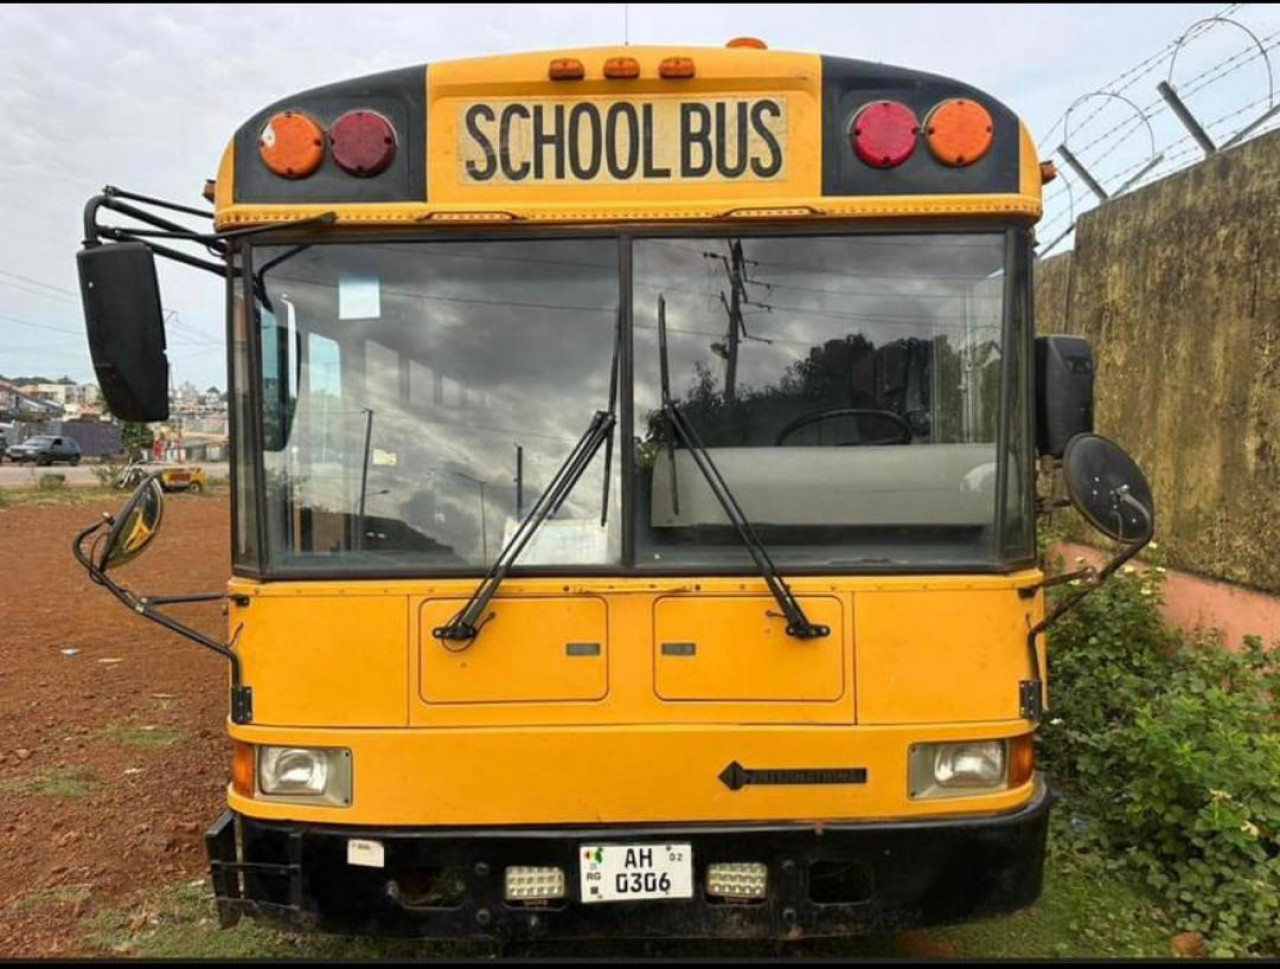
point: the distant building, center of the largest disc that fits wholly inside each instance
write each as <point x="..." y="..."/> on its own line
<point x="19" y="403"/>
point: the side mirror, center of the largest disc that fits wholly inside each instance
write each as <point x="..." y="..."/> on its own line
<point x="1108" y="489"/>
<point x="134" y="527"/>
<point x="1106" y="486"/>
<point x="125" y="324"/>
<point x="1064" y="392"/>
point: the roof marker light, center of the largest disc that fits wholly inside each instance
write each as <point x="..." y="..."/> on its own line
<point x="364" y="143"/>
<point x="622" y="68"/>
<point x="884" y="133"/>
<point x="291" y="144"/>
<point x="748" y="43"/>
<point x="566" y="69"/>
<point x="959" y="131"/>
<point x="676" y="68"/>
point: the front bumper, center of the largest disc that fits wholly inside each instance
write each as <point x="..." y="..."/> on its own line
<point x="838" y="878"/>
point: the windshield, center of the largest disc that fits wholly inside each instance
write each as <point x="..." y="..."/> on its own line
<point x="848" y="389"/>
<point x="418" y="396"/>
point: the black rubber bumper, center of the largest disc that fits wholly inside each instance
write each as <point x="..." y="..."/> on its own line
<point x="829" y="879"/>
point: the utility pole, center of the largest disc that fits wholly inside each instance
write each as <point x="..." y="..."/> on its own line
<point x="735" y="267"/>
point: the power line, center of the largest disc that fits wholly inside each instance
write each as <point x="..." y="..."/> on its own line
<point x="38" y="326"/>
<point x="39" y="282"/>
<point x="38" y="292"/>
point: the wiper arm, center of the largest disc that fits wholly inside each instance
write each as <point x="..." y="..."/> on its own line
<point x="467" y="622"/>
<point x="466" y="625"/>
<point x="798" y="624"/>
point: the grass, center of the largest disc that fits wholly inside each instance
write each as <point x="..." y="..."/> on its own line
<point x="50" y="897"/>
<point x="150" y="735"/>
<point x="68" y="782"/>
<point x="1087" y="910"/>
<point x="109" y="498"/>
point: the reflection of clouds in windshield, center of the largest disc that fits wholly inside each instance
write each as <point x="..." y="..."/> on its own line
<point x="477" y="347"/>
<point x="808" y="291"/>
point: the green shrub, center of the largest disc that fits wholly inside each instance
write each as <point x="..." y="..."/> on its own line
<point x="1168" y="750"/>
<point x="51" y="482"/>
<point x="108" y="473"/>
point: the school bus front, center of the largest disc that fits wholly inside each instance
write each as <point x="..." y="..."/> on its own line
<point x="633" y="500"/>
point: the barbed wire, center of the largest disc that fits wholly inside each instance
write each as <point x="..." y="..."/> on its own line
<point x="1131" y="77"/>
<point x="1159" y="105"/>
<point x="1160" y="156"/>
<point x="1167" y="165"/>
<point x="1136" y="124"/>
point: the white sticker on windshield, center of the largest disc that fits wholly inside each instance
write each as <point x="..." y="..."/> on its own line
<point x="359" y="298"/>
<point x="569" y="541"/>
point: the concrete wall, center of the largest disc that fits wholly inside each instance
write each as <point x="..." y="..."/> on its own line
<point x="1177" y="287"/>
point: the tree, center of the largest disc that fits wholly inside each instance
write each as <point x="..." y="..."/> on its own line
<point x="136" y="437"/>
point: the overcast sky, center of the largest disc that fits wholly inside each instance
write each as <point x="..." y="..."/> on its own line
<point x="145" y="97"/>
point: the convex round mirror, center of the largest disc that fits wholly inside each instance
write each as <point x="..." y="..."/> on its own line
<point x="1108" y="489"/>
<point x="134" y="527"/>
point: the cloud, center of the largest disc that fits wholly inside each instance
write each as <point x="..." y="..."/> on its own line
<point x="146" y="96"/>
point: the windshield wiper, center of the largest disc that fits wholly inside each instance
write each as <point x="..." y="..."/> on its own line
<point x="467" y="622"/>
<point x="798" y="624"/>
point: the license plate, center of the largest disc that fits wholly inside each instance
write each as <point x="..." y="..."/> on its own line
<point x="623" y="873"/>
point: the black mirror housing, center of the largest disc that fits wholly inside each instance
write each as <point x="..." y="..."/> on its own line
<point x="1109" y="489"/>
<point x="1064" y="392"/>
<point x="125" y="323"/>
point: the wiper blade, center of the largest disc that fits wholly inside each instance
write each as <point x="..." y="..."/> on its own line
<point x="466" y="625"/>
<point x="798" y="624"/>
<point x="467" y="622"/>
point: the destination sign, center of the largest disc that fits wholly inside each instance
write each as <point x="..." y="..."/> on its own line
<point x="640" y="140"/>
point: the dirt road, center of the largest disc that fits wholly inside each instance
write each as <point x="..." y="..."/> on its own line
<point x="112" y="757"/>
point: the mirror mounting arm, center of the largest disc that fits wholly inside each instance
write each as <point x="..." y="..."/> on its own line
<point x="162" y="228"/>
<point x="1100" y="576"/>
<point x="175" y="600"/>
<point x="1032" y="697"/>
<point x="241" y="695"/>
<point x="94" y="233"/>
<point x="1089" y="574"/>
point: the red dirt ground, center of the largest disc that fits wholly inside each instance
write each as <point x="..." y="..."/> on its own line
<point x="141" y="738"/>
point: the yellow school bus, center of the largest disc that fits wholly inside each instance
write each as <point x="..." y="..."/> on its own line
<point x="633" y="485"/>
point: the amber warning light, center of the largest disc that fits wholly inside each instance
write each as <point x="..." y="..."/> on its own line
<point x="291" y="144"/>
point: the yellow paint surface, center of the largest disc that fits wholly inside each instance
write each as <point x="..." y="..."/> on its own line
<point x="741" y="650"/>
<point x="514" y="730"/>
<point x="532" y="649"/>
<point x="621" y="774"/>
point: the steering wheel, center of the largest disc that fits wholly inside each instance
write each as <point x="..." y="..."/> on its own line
<point x="904" y="428"/>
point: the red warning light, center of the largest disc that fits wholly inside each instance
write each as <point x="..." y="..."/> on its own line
<point x="884" y="133"/>
<point x="364" y="143"/>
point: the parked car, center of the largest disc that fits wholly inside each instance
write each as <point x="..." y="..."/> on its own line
<point x="45" y="449"/>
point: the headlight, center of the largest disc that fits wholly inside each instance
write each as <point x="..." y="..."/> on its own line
<point x="953" y="770"/>
<point x="305" y="774"/>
